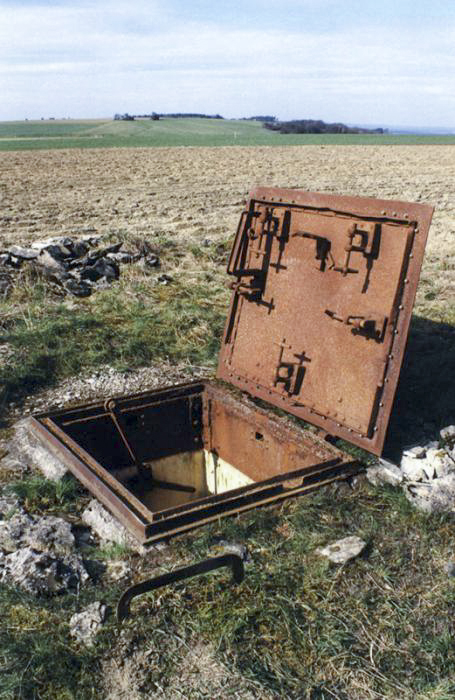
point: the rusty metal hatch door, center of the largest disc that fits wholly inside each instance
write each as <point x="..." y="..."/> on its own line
<point x="322" y="297"/>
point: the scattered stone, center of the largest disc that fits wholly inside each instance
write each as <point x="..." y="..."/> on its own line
<point x="43" y="534"/>
<point x="40" y="573"/>
<point x="451" y="568"/>
<point x="50" y="533"/>
<point x="13" y="530"/>
<point x="124" y="257"/>
<point x="415" y="452"/>
<point x="384" y="473"/>
<point x="343" y="550"/>
<point x="84" y="626"/>
<point x="49" y="261"/>
<point x="118" y="570"/>
<point x="23" y="253"/>
<point x="448" y="434"/>
<point x="9" y="506"/>
<point x="164" y="279"/>
<point x="66" y="241"/>
<point x="26" y="449"/>
<point x="100" y="269"/>
<point x="108" y="528"/>
<point x="79" y="248"/>
<point x="76" y="265"/>
<point x="151" y="260"/>
<point x="437" y="496"/>
<point x="412" y="469"/>
<point x="440" y="463"/>
<point x="78" y="289"/>
<point x="428" y="472"/>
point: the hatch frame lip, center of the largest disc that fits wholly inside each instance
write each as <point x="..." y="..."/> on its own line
<point x="149" y="526"/>
<point x="397" y="212"/>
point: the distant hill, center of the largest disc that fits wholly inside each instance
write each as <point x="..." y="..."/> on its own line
<point x="317" y="126"/>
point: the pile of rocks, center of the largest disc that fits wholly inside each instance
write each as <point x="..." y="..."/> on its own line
<point x="38" y="554"/>
<point x="77" y="265"/>
<point x="426" y="473"/>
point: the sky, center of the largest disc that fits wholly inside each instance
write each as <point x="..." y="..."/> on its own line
<point x="355" y="61"/>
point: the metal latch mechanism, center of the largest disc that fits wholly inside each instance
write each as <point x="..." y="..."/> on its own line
<point x="371" y="326"/>
<point x="250" y="258"/>
<point x="368" y="244"/>
<point x="323" y="246"/>
<point x="290" y="373"/>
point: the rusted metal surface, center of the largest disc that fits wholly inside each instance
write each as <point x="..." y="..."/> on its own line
<point x="232" y="561"/>
<point x="281" y="459"/>
<point x="321" y="306"/>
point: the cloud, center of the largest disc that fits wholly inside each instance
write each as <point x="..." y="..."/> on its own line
<point x="109" y="56"/>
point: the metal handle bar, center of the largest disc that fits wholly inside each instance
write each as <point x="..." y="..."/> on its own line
<point x="234" y="561"/>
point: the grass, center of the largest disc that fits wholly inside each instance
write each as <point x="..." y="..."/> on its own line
<point x="298" y="627"/>
<point x="179" y="321"/>
<point x="35" y="135"/>
<point x="40" y="495"/>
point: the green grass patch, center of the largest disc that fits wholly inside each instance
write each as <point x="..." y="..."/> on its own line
<point x="38" y="658"/>
<point x="41" y="495"/>
<point x="297" y="627"/>
<point x="167" y="132"/>
<point x="175" y="322"/>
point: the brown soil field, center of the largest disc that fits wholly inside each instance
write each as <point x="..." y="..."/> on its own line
<point x="194" y="193"/>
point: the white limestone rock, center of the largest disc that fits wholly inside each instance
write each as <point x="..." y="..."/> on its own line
<point x="437" y="496"/>
<point x="384" y="473"/>
<point x="412" y="469"/>
<point x="441" y="462"/>
<point x="343" y="550"/>
<point x="448" y="434"/>
<point x="84" y="626"/>
<point x="43" y="534"/>
<point x="9" y="506"/>
<point x="415" y="452"/>
<point x="26" y="449"/>
<point x="40" y="573"/>
<point x="108" y="528"/>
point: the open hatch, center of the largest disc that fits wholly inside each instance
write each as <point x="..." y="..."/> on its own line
<point x="322" y="294"/>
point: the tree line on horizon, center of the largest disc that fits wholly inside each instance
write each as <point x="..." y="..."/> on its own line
<point x="316" y="126"/>
<point x="293" y="126"/>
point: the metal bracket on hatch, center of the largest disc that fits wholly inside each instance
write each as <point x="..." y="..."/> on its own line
<point x="234" y="561"/>
<point x="323" y="246"/>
